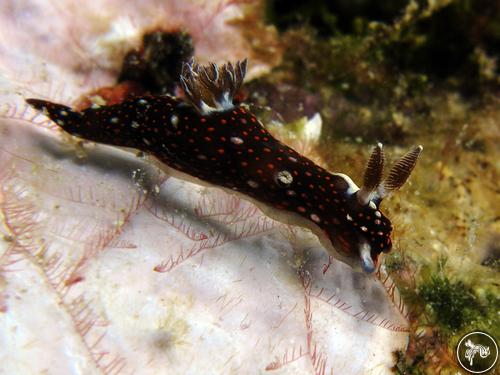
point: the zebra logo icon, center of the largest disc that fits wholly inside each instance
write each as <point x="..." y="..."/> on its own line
<point x="477" y="352"/>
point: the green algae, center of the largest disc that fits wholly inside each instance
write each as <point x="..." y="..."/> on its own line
<point x="440" y="38"/>
<point x="451" y="303"/>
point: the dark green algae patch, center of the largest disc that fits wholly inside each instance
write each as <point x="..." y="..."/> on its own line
<point x="418" y="73"/>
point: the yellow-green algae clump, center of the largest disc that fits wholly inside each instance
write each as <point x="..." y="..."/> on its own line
<point x="403" y="81"/>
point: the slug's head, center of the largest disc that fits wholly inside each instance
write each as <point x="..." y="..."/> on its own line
<point x="364" y="231"/>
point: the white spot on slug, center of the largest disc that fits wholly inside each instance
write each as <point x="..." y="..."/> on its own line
<point x="63" y="113"/>
<point x="364" y="229"/>
<point x="315" y="218"/>
<point x="135" y="124"/>
<point x="202" y="157"/>
<point x="290" y="193"/>
<point x="252" y="184"/>
<point x="174" y="120"/>
<point x="237" y="140"/>
<point x="349" y="217"/>
<point x="378" y="214"/>
<point x="283" y="178"/>
<point x="291" y="158"/>
<point x="146" y="141"/>
<point x="114" y="120"/>
<point x="372" y="205"/>
<point x="60" y="122"/>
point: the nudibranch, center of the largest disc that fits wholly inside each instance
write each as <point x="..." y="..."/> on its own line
<point x="208" y="137"/>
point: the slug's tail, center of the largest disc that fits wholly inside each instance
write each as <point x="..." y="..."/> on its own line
<point x="62" y="115"/>
<point x="99" y="125"/>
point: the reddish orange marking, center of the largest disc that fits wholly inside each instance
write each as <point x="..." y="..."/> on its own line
<point x="244" y="164"/>
<point x="301" y="209"/>
<point x="210" y="129"/>
<point x="270" y="166"/>
<point x="267" y="149"/>
<point x="223" y="121"/>
<point x="73" y="280"/>
<point x="203" y="119"/>
<point x="208" y="139"/>
<point x="220" y="151"/>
